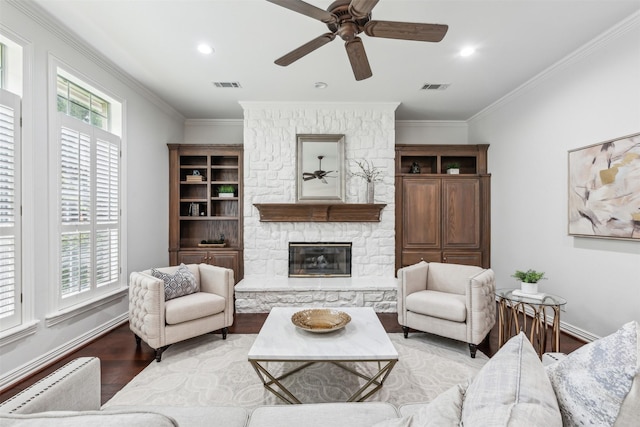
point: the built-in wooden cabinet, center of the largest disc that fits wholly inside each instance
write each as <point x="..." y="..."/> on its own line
<point x="199" y="212"/>
<point x="442" y="217"/>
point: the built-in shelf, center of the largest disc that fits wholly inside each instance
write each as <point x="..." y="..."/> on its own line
<point x="319" y="212"/>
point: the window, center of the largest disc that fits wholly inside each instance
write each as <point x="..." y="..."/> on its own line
<point x="2" y="66"/>
<point x="80" y="103"/>
<point x="88" y="195"/>
<point x="10" y="284"/>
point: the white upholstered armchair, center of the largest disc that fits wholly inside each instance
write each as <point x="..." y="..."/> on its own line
<point x="160" y="322"/>
<point x="450" y="300"/>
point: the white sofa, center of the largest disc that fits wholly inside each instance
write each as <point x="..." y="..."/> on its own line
<point x="597" y="385"/>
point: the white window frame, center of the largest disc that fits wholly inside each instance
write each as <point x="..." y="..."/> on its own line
<point x="64" y="308"/>
<point x="13" y="230"/>
<point x="93" y="142"/>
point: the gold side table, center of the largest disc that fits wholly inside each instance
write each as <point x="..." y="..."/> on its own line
<point x="513" y="318"/>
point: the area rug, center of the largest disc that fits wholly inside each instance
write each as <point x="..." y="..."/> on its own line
<point x="210" y="371"/>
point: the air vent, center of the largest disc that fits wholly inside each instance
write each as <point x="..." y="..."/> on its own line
<point x="233" y="85"/>
<point x="435" y="86"/>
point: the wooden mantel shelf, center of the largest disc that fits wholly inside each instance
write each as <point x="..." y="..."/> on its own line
<point x="319" y="212"/>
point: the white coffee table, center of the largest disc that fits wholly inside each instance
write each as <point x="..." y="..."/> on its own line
<point x="361" y="340"/>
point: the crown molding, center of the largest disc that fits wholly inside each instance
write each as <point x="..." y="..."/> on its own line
<point x="587" y="49"/>
<point x="433" y="123"/>
<point x="286" y="105"/>
<point x="51" y="24"/>
<point x="214" y="122"/>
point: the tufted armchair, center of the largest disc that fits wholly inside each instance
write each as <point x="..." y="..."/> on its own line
<point x="161" y="323"/>
<point x="450" y="300"/>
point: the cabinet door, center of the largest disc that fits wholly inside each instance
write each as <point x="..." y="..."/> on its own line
<point x="460" y="213"/>
<point x="466" y="258"/>
<point x="192" y="257"/>
<point x="224" y="259"/>
<point x="413" y="257"/>
<point x="421" y="213"/>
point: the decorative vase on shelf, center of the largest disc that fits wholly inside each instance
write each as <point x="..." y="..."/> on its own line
<point x="529" y="288"/>
<point x="370" y="191"/>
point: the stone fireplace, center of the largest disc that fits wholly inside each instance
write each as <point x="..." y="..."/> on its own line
<point x="270" y="131"/>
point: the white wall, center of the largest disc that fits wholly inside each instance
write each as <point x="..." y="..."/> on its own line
<point x="590" y="97"/>
<point x="149" y="125"/>
<point x="431" y="132"/>
<point x="269" y="177"/>
<point x="213" y="131"/>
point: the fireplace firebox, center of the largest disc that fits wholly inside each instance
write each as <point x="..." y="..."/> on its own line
<point x="319" y="259"/>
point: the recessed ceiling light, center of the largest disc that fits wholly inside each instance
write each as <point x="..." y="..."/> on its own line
<point x="205" y="49"/>
<point x="320" y="85"/>
<point x="467" y="51"/>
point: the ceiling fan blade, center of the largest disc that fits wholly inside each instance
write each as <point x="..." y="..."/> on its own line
<point x="361" y="8"/>
<point x="305" y="49"/>
<point x="358" y="59"/>
<point x="307" y="9"/>
<point x="406" y="30"/>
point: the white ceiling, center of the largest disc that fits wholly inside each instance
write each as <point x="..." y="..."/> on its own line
<point x="155" y="42"/>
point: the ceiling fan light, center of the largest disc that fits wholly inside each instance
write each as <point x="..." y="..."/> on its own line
<point x="205" y="49"/>
<point x="467" y="51"/>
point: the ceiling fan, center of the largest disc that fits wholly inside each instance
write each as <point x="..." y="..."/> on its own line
<point x="347" y="19"/>
<point x="319" y="174"/>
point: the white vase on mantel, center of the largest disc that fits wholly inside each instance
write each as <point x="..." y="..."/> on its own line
<point x="529" y="288"/>
<point x="370" y="191"/>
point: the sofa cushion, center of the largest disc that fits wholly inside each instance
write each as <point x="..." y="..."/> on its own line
<point x="438" y="304"/>
<point x="443" y="411"/>
<point x="599" y="381"/>
<point x="227" y="416"/>
<point x="322" y="415"/>
<point x="128" y="418"/>
<point x="194" y="306"/>
<point x="179" y="283"/>
<point x="445" y="277"/>
<point x="511" y="390"/>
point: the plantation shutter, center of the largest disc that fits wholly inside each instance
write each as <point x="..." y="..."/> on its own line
<point x="107" y="211"/>
<point x="10" y="283"/>
<point x="89" y="201"/>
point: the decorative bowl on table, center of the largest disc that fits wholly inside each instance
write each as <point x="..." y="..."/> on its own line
<point x="320" y="320"/>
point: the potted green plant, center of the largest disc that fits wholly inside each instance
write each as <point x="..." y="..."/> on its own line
<point x="529" y="280"/>
<point x="453" y="168"/>
<point x="226" y="190"/>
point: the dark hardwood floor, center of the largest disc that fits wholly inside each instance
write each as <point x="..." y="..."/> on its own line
<point x="121" y="359"/>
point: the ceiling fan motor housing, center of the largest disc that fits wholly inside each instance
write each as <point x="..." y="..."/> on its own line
<point x="348" y="26"/>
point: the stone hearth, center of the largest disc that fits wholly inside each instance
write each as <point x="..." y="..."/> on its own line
<point x="258" y="294"/>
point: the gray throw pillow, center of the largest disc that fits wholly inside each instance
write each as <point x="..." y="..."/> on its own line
<point x="178" y="284"/>
<point x="595" y="383"/>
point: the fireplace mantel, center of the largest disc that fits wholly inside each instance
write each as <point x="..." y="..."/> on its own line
<point x="319" y="212"/>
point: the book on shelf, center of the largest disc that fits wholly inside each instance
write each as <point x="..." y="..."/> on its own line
<point x="194" y="178"/>
<point x="519" y="293"/>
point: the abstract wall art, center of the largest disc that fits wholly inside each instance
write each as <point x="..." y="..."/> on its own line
<point x="604" y="189"/>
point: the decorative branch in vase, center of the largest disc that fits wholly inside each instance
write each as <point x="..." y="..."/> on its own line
<point x="370" y="173"/>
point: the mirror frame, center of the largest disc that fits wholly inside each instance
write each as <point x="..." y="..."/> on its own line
<point x="309" y="147"/>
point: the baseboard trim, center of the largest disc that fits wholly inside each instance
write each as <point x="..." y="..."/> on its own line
<point x="36" y="365"/>
<point x="578" y="333"/>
